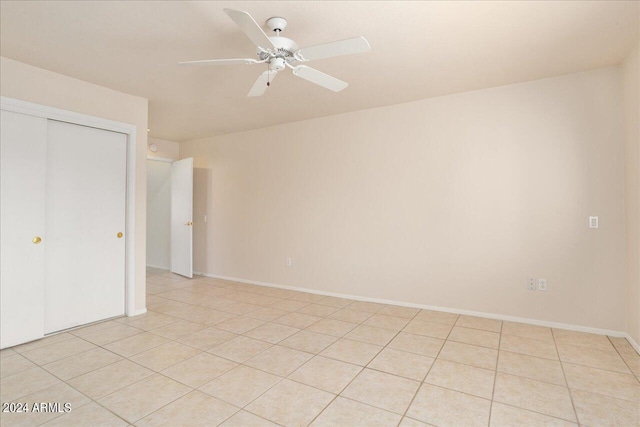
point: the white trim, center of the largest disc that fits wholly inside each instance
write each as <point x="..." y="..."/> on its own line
<point x="161" y="159"/>
<point x="37" y="110"/>
<point x="44" y="111"/>
<point x="157" y="267"/>
<point x="138" y="312"/>
<point x="436" y="308"/>
<point x="633" y="343"/>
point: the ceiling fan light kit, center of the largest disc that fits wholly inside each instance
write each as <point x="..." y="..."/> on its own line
<point x="281" y="52"/>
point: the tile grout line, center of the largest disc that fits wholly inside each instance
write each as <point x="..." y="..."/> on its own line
<point x="135" y="382"/>
<point x="123" y="358"/>
<point x="429" y="370"/>
<point x="258" y="369"/>
<point x="244" y="408"/>
<point x="567" y="362"/>
<point x="464" y="343"/>
<point x="555" y="418"/>
<point x="361" y="370"/>
<point x="495" y="376"/>
<point x="175" y="340"/>
<point x="573" y="406"/>
<point x="623" y="359"/>
<point x="42" y="366"/>
<point x="358" y="374"/>
<point x="91" y="399"/>
<point x="107" y="409"/>
<point x="445" y="340"/>
<point x="180" y="397"/>
<point x="247" y="314"/>
<point x="533" y="379"/>
<point x="401" y="331"/>
<point x="145" y="378"/>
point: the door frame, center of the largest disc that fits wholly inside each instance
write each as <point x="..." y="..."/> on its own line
<point x="171" y="161"/>
<point x="38" y="110"/>
<point x="161" y="159"/>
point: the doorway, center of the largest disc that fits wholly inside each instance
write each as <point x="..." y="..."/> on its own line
<point x="170" y="215"/>
<point x="158" y="214"/>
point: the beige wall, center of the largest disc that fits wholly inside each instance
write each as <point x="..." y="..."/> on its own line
<point x="166" y="149"/>
<point x="158" y="214"/>
<point x="631" y="130"/>
<point x="28" y="83"/>
<point x="452" y="201"/>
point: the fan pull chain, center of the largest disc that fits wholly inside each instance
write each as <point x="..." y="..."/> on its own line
<point x="268" y="75"/>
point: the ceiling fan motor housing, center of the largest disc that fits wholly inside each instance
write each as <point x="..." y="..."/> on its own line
<point x="283" y="52"/>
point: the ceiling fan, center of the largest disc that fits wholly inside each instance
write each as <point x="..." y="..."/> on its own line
<point x="281" y="52"/>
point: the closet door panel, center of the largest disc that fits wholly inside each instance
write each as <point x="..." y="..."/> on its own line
<point x="22" y="223"/>
<point x="86" y="196"/>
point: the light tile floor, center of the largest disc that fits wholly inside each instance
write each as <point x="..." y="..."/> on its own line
<point x="214" y="352"/>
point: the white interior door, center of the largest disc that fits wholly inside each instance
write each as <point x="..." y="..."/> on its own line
<point x="182" y="217"/>
<point x="22" y="219"/>
<point x="85" y="222"/>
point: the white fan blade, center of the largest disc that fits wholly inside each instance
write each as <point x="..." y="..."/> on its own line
<point x="343" y="47"/>
<point x="260" y="86"/>
<point x="246" y="61"/>
<point x="319" y="78"/>
<point x="250" y="27"/>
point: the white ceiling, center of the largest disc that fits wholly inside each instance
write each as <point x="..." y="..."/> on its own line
<point x="419" y="50"/>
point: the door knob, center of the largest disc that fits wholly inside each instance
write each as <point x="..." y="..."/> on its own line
<point x="36" y="240"/>
<point x="119" y="234"/>
<point x="189" y="223"/>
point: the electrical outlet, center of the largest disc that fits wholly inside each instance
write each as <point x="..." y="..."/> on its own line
<point x="531" y="285"/>
<point x="542" y="284"/>
<point x="593" y="222"/>
<point x="289" y="262"/>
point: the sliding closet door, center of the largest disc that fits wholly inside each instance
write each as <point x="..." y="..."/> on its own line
<point x="22" y="227"/>
<point x="85" y="220"/>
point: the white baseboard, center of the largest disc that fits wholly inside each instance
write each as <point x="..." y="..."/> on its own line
<point x="157" y="267"/>
<point x="138" y="312"/>
<point x="633" y="343"/>
<point x="536" y="322"/>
